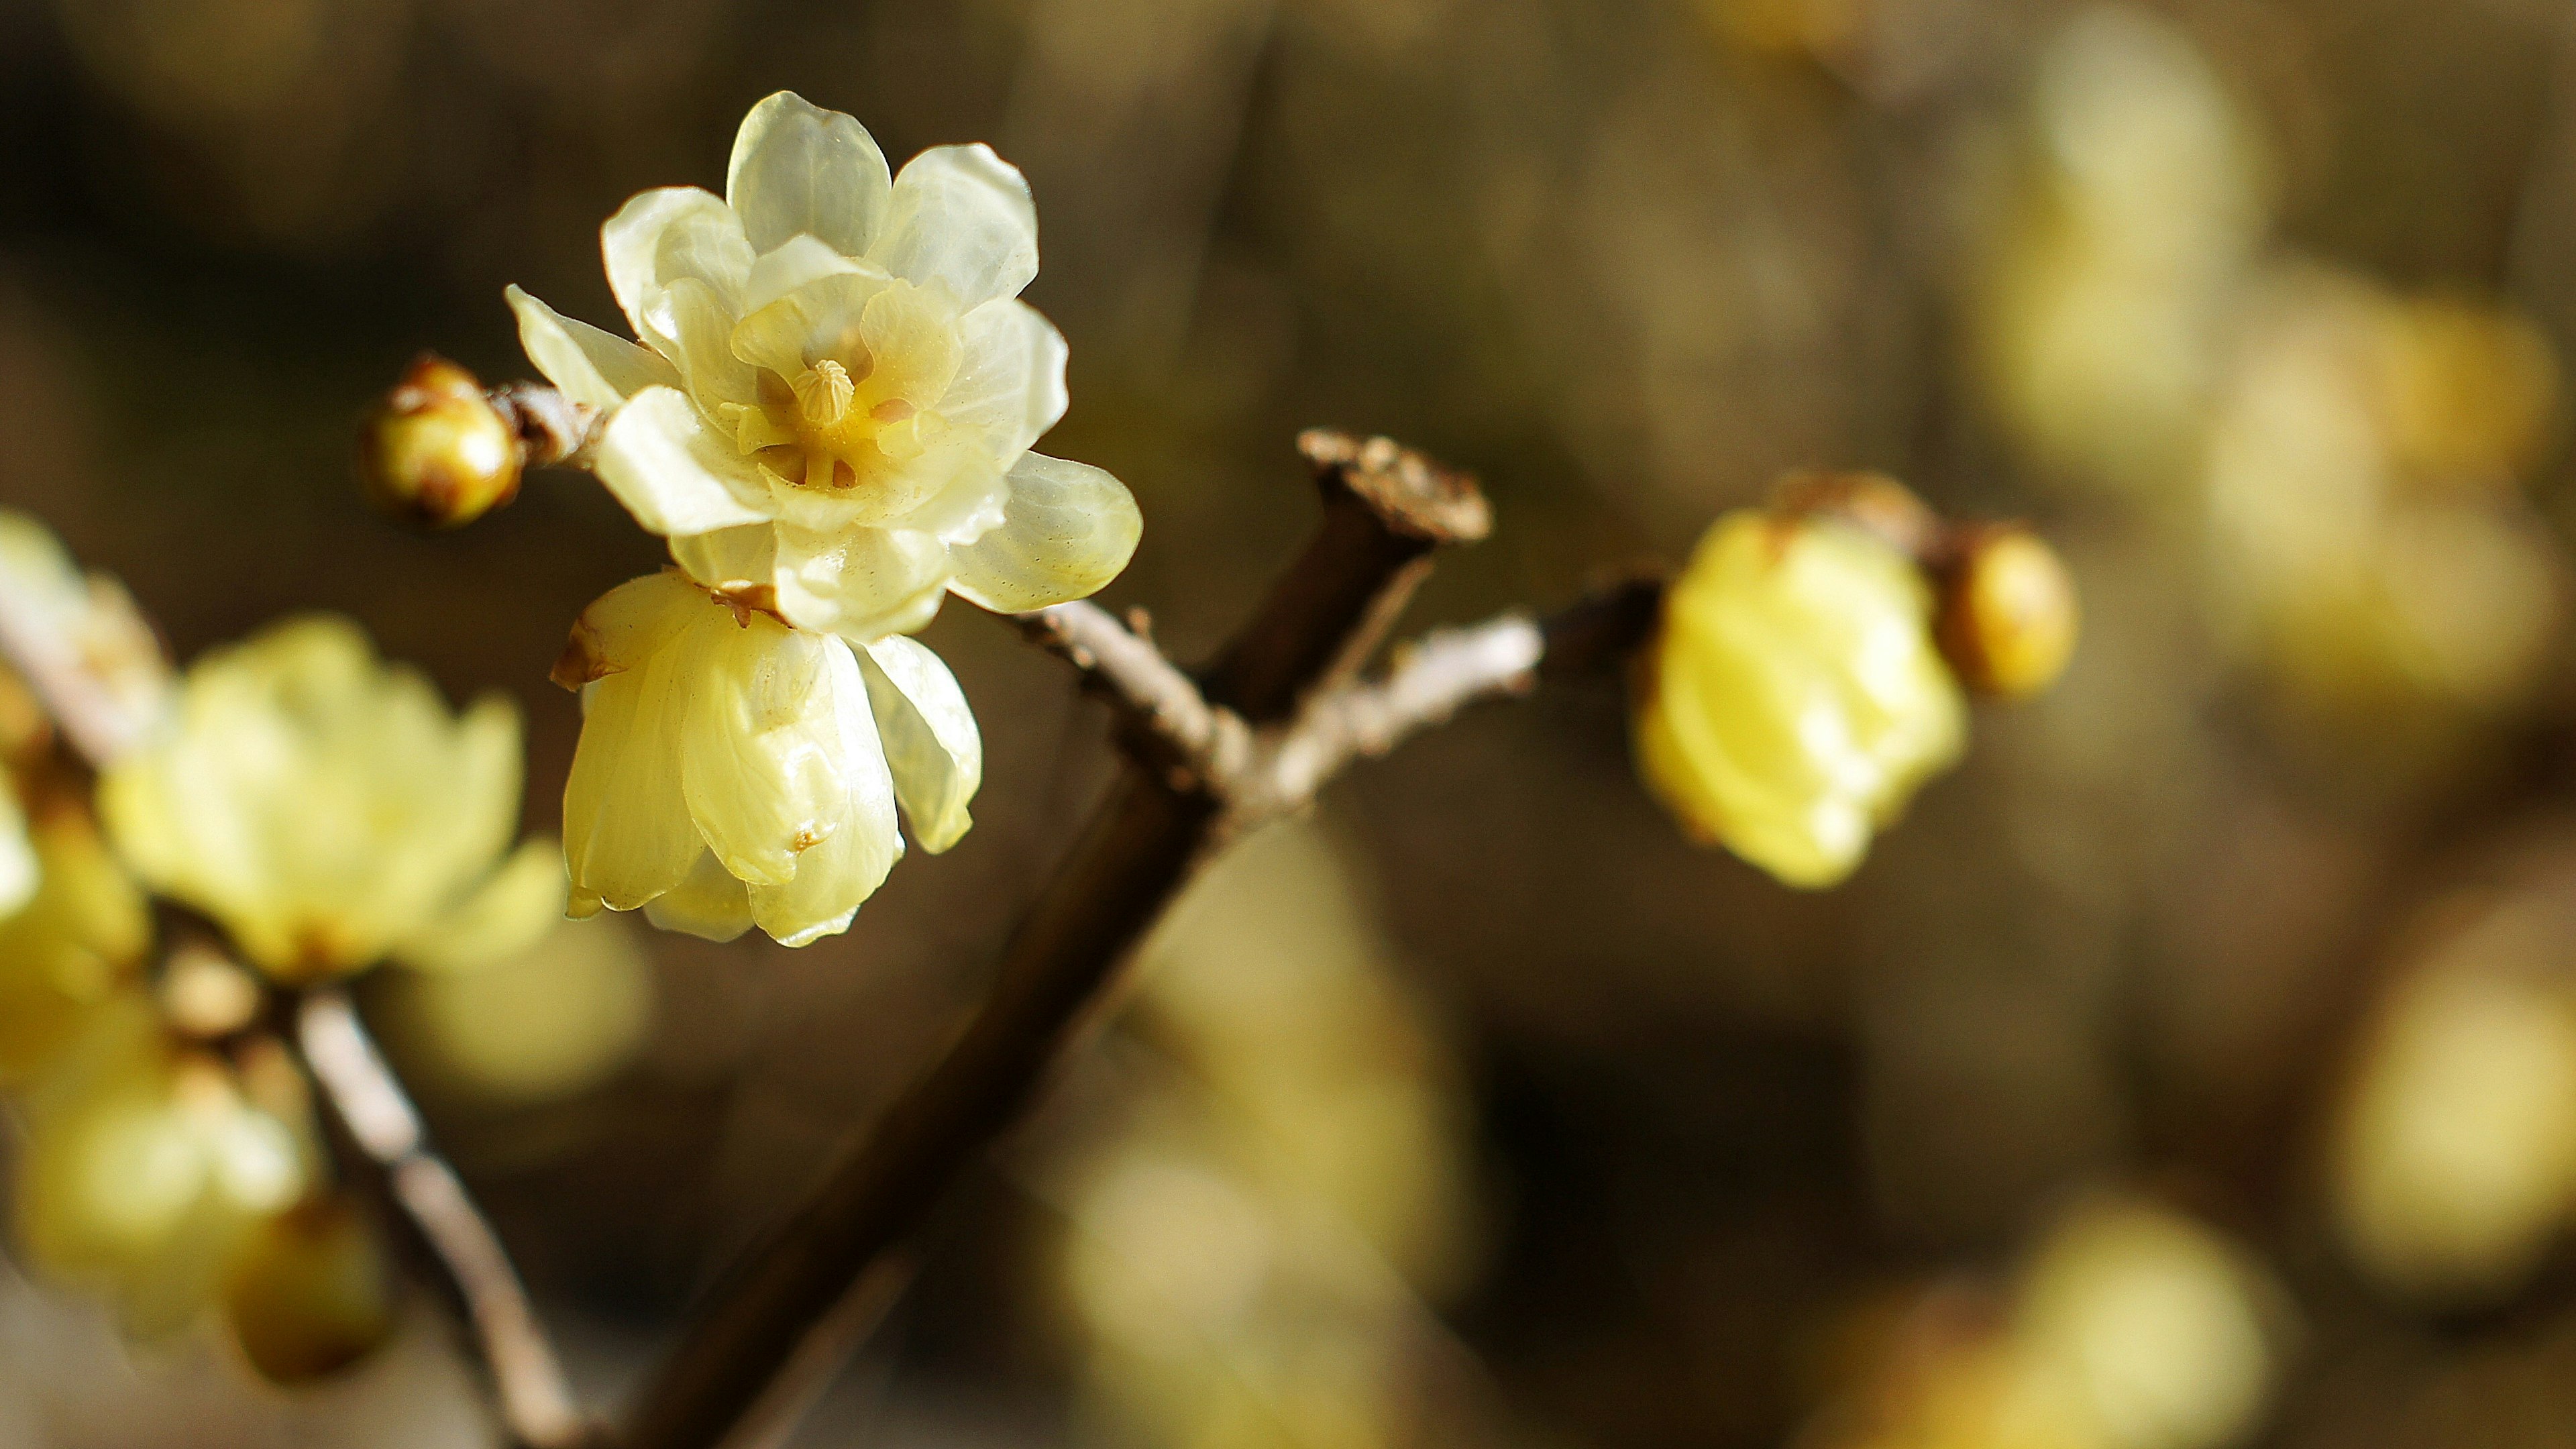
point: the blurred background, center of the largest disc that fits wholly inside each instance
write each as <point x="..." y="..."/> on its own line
<point x="2196" y="1066"/>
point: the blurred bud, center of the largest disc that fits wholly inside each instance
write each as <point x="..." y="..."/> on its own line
<point x="436" y="451"/>
<point x="1793" y="700"/>
<point x="205" y="995"/>
<point x="310" y="1291"/>
<point x="2454" y="1164"/>
<point x="2007" y="617"/>
<point x="71" y="951"/>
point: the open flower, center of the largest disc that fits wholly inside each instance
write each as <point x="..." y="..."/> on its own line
<point x="1793" y="699"/>
<point x="734" y="771"/>
<point x="324" y="806"/>
<point x="838" y="384"/>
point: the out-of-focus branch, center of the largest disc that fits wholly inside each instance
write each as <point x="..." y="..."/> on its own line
<point x="369" y="1101"/>
<point x="88" y="654"/>
<point x="1385" y="510"/>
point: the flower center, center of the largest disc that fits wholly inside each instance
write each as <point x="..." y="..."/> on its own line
<point x="834" y="425"/>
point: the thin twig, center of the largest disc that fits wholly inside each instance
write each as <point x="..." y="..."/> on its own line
<point x="536" y="1402"/>
<point x="1431" y="681"/>
<point x="1155" y="698"/>
<point x="1384" y="511"/>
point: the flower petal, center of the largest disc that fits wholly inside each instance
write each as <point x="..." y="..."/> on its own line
<point x="664" y="235"/>
<point x="626" y="626"/>
<point x="1010" y="384"/>
<point x="835" y="876"/>
<point x="962" y="216"/>
<point x="755" y="748"/>
<point x="860" y="583"/>
<point x="798" y="260"/>
<point x="820" y="319"/>
<point x="697" y="326"/>
<point x="799" y="168"/>
<point x="729" y="558"/>
<point x="1068" y="529"/>
<point x="586" y="364"/>
<point x="709" y="904"/>
<point x="507" y="914"/>
<point x="931" y="743"/>
<point x="627" y="832"/>
<point x="675" y="473"/>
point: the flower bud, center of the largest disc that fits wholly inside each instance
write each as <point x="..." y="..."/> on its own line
<point x="310" y="1292"/>
<point x="1792" y="700"/>
<point x="436" y="451"/>
<point x="2008" y="615"/>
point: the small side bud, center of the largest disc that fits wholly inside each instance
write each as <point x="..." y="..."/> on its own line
<point x="437" y="452"/>
<point x="2008" y="615"/>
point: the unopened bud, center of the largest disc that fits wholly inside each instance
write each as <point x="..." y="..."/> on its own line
<point x="436" y="451"/>
<point x="2008" y="615"/>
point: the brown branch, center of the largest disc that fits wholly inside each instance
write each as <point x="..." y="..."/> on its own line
<point x="363" y="1093"/>
<point x="1384" y="511"/>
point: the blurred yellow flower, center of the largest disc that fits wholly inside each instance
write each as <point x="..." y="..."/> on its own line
<point x="1793" y="699"/>
<point x="71" y="950"/>
<point x="324" y="807"/>
<point x="309" y="1290"/>
<point x="144" y="1168"/>
<point x="734" y="771"/>
<point x="838" y="385"/>
<point x="2454" y="1163"/>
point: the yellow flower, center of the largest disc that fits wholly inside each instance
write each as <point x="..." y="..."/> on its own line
<point x="1793" y="700"/>
<point x="323" y="806"/>
<point x="145" y="1168"/>
<point x="838" y="384"/>
<point x="733" y="771"/>
<point x="71" y="950"/>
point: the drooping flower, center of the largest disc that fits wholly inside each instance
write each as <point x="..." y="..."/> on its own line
<point x="734" y="771"/>
<point x="1793" y="698"/>
<point x="325" y="807"/>
<point x="838" y="385"/>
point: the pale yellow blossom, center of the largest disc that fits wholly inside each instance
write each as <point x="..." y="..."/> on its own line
<point x="1793" y="699"/>
<point x="734" y="771"/>
<point x="71" y="951"/>
<point x="323" y="806"/>
<point x="838" y="385"/>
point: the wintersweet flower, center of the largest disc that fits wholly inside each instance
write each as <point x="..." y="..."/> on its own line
<point x="1793" y="698"/>
<point x="325" y="807"/>
<point x="837" y="386"/>
<point x="734" y="771"/>
<point x="71" y="952"/>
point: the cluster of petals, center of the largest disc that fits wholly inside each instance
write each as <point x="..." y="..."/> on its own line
<point x="734" y="771"/>
<point x="836" y="387"/>
<point x="328" y="810"/>
<point x="1794" y="697"/>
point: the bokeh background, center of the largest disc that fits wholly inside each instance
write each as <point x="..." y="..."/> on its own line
<point x="2195" y="1066"/>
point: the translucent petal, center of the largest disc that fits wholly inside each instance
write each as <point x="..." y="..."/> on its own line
<point x="798" y="260"/>
<point x="675" y="473"/>
<point x="664" y="235"/>
<point x="818" y="320"/>
<point x="504" y="916"/>
<point x="709" y="904"/>
<point x="17" y="856"/>
<point x="860" y="583"/>
<point x="697" y="327"/>
<point x="588" y="365"/>
<point x="962" y="216"/>
<point x="627" y="832"/>
<point x="912" y="344"/>
<point x="799" y="168"/>
<point x="835" y="876"/>
<point x="931" y="742"/>
<point x="1068" y="529"/>
<point x="1010" y="382"/>
<point x="756" y="746"/>
<point x="729" y="558"/>
<point x="625" y="626"/>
